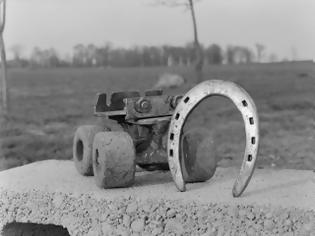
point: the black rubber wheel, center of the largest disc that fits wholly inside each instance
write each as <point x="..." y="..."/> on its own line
<point x="113" y="159"/>
<point x="82" y="148"/>
<point x="198" y="157"/>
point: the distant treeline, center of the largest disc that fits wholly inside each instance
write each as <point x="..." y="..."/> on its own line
<point x="109" y="56"/>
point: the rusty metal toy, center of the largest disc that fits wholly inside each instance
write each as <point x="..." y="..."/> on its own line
<point x="147" y="130"/>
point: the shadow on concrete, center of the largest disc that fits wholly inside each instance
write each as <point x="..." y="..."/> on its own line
<point x="153" y="178"/>
<point x="31" y="229"/>
<point x="275" y="187"/>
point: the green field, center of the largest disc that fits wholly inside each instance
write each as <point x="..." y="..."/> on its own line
<point x="48" y="104"/>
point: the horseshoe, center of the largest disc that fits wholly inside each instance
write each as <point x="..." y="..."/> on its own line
<point x="245" y="105"/>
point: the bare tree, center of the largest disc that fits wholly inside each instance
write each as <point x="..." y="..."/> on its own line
<point x="214" y="54"/>
<point x="189" y="4"/>
<point x="4" y="89"/>
<point x="103" y="55"/>
<point x="91" y="54"/>
<point x="273" y="58"/>
<point x="35" y="59"/>
<point x="245" y="54"/>
<point x="230" y="54"/>
<point x="17" y="50"/>
<point x="79" y="55"/>
<point x="294" y="53"/>
<point x="260" y="50"/>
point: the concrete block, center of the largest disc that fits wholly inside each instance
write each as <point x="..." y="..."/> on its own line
<point x="276" y="202"/>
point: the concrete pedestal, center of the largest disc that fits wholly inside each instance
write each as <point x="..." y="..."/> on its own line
<point x="53" y="193"/>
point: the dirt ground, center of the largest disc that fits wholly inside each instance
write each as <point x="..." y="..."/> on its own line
<point x="48" y="104"/>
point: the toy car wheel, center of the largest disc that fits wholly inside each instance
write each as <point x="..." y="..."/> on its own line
<point x="113" y="159"/>
<point x="198" y="155"/>
<point x="82" y="148"/>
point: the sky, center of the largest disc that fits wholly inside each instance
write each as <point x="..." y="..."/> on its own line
<point x="285" y="27"/>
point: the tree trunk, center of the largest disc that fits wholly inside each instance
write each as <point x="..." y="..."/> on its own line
<point x="4" y="89"/>
<point x="198" y="49"/>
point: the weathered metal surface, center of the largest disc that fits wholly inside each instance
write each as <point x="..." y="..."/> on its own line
<point x="149" y="107"/>
<point x="115" y="103"/>
<point x="150" y="121"/>
<point x="116" y="100"/>
<point x="132" y="106"/>
<point x="245" y="105"/>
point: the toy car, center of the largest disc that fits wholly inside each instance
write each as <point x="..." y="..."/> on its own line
<point x="147" y="130"/>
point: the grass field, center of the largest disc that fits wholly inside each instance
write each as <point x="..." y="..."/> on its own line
<point x="48" y="104"/>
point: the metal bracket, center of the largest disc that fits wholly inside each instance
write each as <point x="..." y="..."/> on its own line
<point x="245" y="105"/>
<point x="134" y="108"/>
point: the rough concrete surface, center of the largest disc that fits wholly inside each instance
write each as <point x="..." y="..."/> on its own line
<point x="276" y="202"/>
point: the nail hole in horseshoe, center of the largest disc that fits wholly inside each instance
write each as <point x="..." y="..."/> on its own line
<point x="177" y="116"/>
<point x="171" y="152"/>
<point x="253" y="140"/>
<point x="251" y="120"/>
<point x="186" y="100"/>
<point x="244" y="103"/>
<point x="249" y="157"/>
<point x="172" y="136"/>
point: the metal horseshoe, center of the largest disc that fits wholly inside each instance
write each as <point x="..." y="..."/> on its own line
<point x="244" y="104"/>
